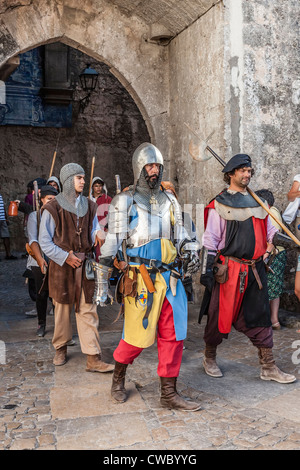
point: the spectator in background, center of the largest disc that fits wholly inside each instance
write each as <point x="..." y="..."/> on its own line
<point x="53" y="181"/>
<point x="275" y="279"/>
<point x="28" y="205"/>
<point x="293" y="194"/>
<point x="4" y="232"/>
<point x="37" y="261"/>
<point x="100" y="197"/>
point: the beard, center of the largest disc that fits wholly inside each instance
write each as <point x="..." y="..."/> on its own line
<point x="151" y="180"/>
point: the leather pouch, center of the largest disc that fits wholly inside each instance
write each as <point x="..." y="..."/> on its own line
<point x="220" y="271"/>
<point x="127" y="286"/>
<point x="89" y="270"/>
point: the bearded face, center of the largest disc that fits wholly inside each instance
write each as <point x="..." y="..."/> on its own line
<point x="151" y="173"/>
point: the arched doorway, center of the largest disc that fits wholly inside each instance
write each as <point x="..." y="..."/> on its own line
<point x="34" y="126"/>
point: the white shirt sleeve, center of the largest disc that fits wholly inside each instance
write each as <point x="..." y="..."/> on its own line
<point x="47" y="229"/>
<point x="32" y="228"/>
<point x="297" y="178"/>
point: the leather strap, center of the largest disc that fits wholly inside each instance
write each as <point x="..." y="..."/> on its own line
<point x="252" y="264"/>
<point x="153" y="263"/>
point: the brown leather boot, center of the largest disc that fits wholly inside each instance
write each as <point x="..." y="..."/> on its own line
<point x="94" y="364"/>
<point x="60" y="357"/>
<point x="209" y="361"/>
<point x="269" y="370"/>
<point x="118" y="391"/>
<point x="171" y="399"/>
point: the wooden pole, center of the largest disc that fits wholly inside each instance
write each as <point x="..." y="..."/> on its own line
<point x="54" y="156"/>
<point x="92" y="174"/>
<point x="52" y="166"/>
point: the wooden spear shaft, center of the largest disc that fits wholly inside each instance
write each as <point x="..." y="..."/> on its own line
<point x="54" y="157"/>
<point x="92" y="174"/>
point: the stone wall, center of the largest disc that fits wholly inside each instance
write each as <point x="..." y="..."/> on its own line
<point x="197" y="99"/>
<point x="269" y="118"/>
<point x="262" y="98"/>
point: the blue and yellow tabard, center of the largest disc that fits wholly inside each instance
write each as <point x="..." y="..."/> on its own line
<point x="134" y="331"/>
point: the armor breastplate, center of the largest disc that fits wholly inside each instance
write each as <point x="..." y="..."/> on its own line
<point x="145" y="226"/>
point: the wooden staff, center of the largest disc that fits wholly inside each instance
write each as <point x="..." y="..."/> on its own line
<point x="92" y="174"/>
<point x="287" y="231"/>
<point x="54" y="156"/>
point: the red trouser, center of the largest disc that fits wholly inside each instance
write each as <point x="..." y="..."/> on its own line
<point x="169" y="350"/>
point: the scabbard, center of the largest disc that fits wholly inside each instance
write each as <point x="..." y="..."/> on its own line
<point x="146" y="278"/>
<point x="174" y="276"/>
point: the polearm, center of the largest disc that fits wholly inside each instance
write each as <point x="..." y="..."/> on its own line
<point x="257" y="199"/>
<point x="37" y="204"/>
<point x="91" y="179"/>
<point x="54" y="156"/>
<point x="118" y="191"/>
<point x="118" y="184"/>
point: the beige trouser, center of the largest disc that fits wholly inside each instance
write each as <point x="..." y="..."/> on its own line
<point x="87" y="322"/>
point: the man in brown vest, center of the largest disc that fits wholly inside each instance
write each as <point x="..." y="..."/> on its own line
<point x="68" y="230"/>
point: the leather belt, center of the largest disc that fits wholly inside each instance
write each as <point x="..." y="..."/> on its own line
<point x="252" y="264"/>
<point x="153" y="263"/>
<point x="78" y="280"/>
<point x="155" y="266"/>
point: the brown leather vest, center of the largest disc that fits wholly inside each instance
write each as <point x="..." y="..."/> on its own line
<point x="70" y="235"/>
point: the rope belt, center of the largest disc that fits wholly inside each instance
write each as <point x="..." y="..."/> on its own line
<point x="252" y="264"/>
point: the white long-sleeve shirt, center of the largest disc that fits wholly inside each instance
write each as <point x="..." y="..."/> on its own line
<point x="46" y="233"/>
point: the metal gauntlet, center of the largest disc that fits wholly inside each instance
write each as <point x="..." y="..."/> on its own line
<point x="189" y="251"/>
<point x="102" y="274"/>
<point x="207" y="275"/>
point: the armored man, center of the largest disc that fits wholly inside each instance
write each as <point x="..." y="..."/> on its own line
<point x="149" y="221"/>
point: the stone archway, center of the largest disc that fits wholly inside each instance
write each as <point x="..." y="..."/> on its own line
<point x="103" y="32"/>
<point x="117" y="43"/>
<point x="109" y="128"/>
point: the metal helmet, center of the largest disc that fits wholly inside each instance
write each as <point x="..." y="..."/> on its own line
<point x="145" y="154"/>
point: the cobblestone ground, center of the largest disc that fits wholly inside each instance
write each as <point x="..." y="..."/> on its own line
<point x="66" y="408"/>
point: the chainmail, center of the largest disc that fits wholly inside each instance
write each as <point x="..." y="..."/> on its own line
<point x="143" y="193"/>
<point x="67" y="198"/>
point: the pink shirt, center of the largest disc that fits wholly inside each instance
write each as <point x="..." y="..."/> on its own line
<point x="215" y="233"/>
